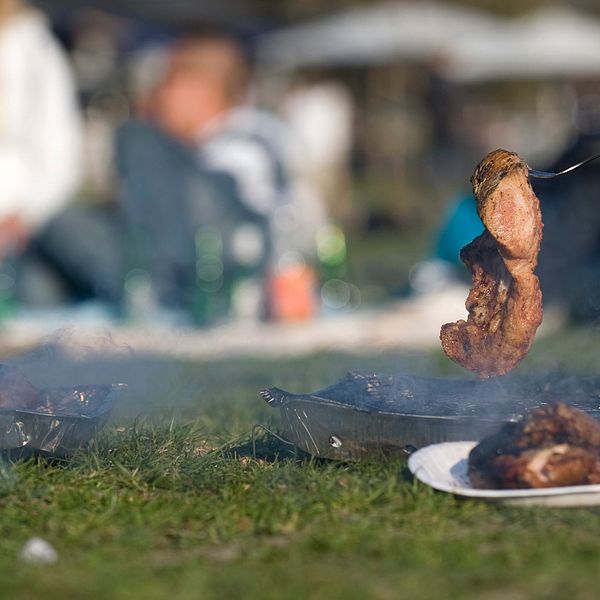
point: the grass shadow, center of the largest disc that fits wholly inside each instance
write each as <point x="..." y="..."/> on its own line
<point x="266" y="445"/>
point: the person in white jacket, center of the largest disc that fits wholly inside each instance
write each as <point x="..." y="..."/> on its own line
<point x="40" y="128"/>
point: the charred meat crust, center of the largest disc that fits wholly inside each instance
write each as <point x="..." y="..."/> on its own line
<point x="491" y="171"/>
<point x="555" y="445"/>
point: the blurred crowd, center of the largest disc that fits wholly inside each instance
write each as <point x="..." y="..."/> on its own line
<point x="141" y="171"/>
<point x="174" y="199"/>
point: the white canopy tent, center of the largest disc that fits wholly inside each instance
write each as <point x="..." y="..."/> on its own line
<point x="550" y="42"/>
<point x="374" y="34"/>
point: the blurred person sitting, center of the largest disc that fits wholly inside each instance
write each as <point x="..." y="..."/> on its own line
<point x="207" y="190"/>
<point x="39" y="132"/>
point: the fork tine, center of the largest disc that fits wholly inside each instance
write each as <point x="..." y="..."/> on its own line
<point x="541" y="174"/>
<point x="548" y="175"/>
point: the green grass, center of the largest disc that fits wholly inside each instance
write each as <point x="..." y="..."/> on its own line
<point x="168" y="503"/>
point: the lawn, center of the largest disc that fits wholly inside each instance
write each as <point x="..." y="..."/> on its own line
<point x="168" y="503"/>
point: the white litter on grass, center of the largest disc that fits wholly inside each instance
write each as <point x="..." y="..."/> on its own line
<point x="38" y="550"/>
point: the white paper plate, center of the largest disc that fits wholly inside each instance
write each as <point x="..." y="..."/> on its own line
<point x="444" y="468"/>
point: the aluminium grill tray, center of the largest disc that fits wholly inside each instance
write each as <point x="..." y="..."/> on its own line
<point x="366" y="415"/>
<point x="64" y="419"/>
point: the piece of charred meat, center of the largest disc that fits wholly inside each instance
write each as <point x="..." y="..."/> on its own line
<point x="16" y="392"/>
<point x="505" y="301"/>
<point x="554" y="445"/>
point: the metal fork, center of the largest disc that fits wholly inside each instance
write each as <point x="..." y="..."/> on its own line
<point x="548" y="175"/>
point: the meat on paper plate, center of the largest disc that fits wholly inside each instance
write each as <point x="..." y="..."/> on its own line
<point x="555" y="445"/>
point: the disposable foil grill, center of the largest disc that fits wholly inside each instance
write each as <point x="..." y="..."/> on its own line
<point x="64" y="419"/>
<point x="366" y="415"/>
